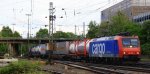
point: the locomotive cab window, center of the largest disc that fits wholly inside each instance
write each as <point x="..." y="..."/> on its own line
<point x="130" y="42"/>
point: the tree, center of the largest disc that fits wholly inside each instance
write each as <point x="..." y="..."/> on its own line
<point x="104" y="29"/>
<point x="146" y="49"/>
<point x="60" y="34"/>
<point x="6" y="32"/>
<point x="118" y="23"/>
<point x="3" y="48"/>
<point x="145" y="32"/>
<point x="70" y="35"/>
<point x="16" y="34"/>
<point x="42" y="33"/>
<point x="121" y="23"/>
<point x="93" y="30"/>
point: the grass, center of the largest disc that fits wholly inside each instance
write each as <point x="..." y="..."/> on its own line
<point x="22" y="67"/>
<point x="145" y="59"/>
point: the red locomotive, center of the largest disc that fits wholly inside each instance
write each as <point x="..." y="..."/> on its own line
<point x="122" y="48"/>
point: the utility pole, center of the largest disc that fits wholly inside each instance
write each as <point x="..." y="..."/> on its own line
<point x="52" y="18"/>
<point x="75" y="30"/>
<point x="28" y="24"/>
<point x="83" y="29"/>
<point x="31" y="19"/>
<point x="13" y="29"/>
<point x="28" y="29"/>
<point x="51" y="29"/>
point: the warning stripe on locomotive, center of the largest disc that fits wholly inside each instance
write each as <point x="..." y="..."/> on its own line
<point x="107" y="48"/>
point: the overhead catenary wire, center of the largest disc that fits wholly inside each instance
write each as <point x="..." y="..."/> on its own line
<point x="85" y="11"/>
<point x="93" y="11"/>
<point x="13" y="3"/>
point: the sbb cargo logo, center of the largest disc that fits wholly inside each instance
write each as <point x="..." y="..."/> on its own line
<point x="98" y="49"/>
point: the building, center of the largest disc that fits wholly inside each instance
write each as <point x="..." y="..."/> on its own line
<point x="136" y="10"/>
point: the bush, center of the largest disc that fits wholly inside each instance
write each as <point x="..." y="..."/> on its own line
<point x="21" y="67"/>
<point x="146" y="49"/>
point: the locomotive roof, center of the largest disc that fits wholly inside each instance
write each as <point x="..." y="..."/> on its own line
<point x="104" y="38"/>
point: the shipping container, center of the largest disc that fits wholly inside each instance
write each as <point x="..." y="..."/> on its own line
<point x="61" y="48"/>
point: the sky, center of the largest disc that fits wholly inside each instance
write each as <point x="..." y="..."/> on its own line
<point x="75" y="13"/>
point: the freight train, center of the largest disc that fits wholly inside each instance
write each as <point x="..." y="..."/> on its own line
<point x="103" y="49"/>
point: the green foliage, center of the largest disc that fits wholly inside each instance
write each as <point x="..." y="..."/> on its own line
<point x="145" y="32"/>
<point x="120" y="23"/>
<point x="104" y="29"/>
<point x="70" y="35"/>
<point x="117" y="24"/>
<point x="42" y="33"/>
<point x="145" y="37"/>
<point x="20" y="67"/>
<point x="6" y="32"/>
<point x="24" y="50"/>
<point x="16" y="35"/>
<point x="93" y="30"/>
<point x="60" y="34"/>
<point x="3" y="48"/>
<point x="146" y="49"/>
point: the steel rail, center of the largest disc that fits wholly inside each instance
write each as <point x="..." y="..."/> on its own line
<point x="99" y="70"/>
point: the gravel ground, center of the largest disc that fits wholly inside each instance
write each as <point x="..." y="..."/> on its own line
<point x="3" y="64"/>
<point x="64" y="69"/>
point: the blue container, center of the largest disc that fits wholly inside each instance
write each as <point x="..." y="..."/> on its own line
<point x="107" y="48"/>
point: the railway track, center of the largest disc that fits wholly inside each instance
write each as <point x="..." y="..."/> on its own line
<point x="140" y="68"/>
<point x="101" y="68"/>
<point x="127" y="68"/>
<point x="91" y="69"/>
<point x="49" y="71"/>
<point x="140" y="65"/>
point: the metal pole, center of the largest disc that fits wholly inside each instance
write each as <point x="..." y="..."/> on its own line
<point x="84" y="29"/>
<point x="13" y="29"/>
<point x="21" y="49"/>
<point x="51" y="18"/>
<point x="75" y="30"/>
<point x="52" y="23"/>
<point x="28" y="24"/>
<point x="28" y="29"/>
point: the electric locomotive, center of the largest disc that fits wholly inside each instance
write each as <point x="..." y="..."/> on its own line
<point x="112" y="48"/>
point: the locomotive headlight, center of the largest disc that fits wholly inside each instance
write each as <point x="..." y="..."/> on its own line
<point x="137" y="53"/>
<point x="124" y="52"/>
<point x="131" y="46"/>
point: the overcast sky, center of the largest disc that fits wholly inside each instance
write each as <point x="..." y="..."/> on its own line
<point x="14" y="12"/>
